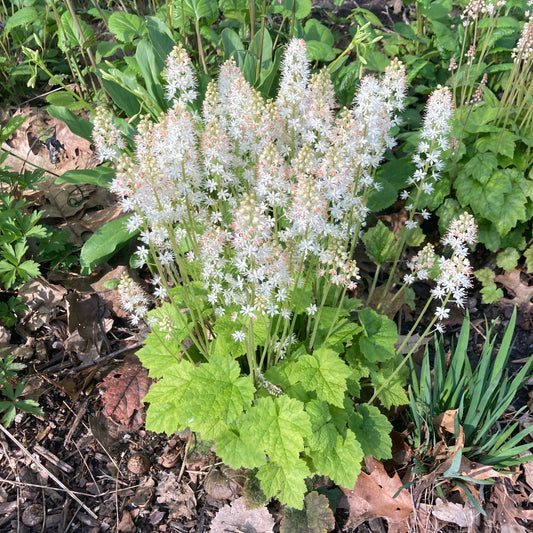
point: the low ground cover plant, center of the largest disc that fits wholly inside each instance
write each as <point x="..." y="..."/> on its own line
<point x="249" y="217"/>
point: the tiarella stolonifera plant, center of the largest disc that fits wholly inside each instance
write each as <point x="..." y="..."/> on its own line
<point x="249" y="216"/>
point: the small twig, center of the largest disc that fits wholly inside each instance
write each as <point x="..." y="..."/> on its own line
<point x="77" y="420"/>
<point x="50" y="474"/>
<point x="50" y="457"/>
<point x="105" y="358"/>
<point x="59" y="489"/>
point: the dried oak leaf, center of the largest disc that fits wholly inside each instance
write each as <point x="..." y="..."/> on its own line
<point x="236" y="518"/>
<point x="123" y="391"/>
<point x="456" y="513"/>
<point x="315" y="517"/>
<point x="523" y="293"/>
<point x="179" y="497"/>
<point x="373" y="497"/>
<point x="506" y="510"/>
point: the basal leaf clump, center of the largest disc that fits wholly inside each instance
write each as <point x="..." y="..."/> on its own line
<point x="249" y="216"/>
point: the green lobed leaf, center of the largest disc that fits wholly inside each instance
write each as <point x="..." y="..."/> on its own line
<point x="343" y="462"/>
<point x="315" y="517"/>
<point x="501" y="200"/>
<point x="393" y="391"/>
<point x="372" y="430"/>
<point x="377" y="341"/>
<point x="218" y="396"/>
<point x="166" y="397"/>
<point x="508" y="259"/>
<point x="324" y="372"/>
<point x="380" y="243"/>
<point x="159" y="353"/>
<point x="498" y="143"/>
<point x="286" y="483"/>
<point x="279" y="427"/>
<point x="237" y="449"/>
<point x="323" y="431"/>
<point x="481" y="167"/>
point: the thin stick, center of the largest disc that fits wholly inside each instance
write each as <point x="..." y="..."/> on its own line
<point x="42" y="467"/>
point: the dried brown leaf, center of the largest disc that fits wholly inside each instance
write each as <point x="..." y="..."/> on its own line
<point x="235" y="518"/>
<point x="373" y="497"/>
<point x="523" y="293"/>
<point x="224" y="483"/>
<point x="123" y="391"/>
<point x="456" y="513"/>
<point x="506" y="510"/>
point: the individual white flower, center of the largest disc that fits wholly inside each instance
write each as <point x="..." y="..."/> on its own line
<point x="442" y="313"/>
<point x="239" y="336"/>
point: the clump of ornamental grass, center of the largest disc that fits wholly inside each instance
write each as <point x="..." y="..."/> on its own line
<point x="249" y="215"/>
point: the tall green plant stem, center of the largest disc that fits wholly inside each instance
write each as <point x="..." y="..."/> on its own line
<point x="89" y="51"/>
<point x="261" y="40"/>
<point x="251" y="9"/>
<point x="200" y="47"/>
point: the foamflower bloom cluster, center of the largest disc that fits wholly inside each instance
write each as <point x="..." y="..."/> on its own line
<point x="429" y="161"/>
<point x="452" y="275"/>
<point x="255" y="198"/>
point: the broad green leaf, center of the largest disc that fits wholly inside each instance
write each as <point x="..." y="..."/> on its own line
<point x="279" y="427"/>
<point x="161" y="38"/>
<point x="237" y="449"/>
<point x="23" y="16"/>
<point x="231" y="42"/>
<point x="126" y="26"/>
<point x="324" y="372"/>
<point x="372" y="430"/>
<point x="69" y="36"/>
<point x="103" y="244"/>
<point x="167" y="397"/>
<point x="343" y="463"/>
<point x="380" y="243"/>
<point x="77" y="125"/>
<point x="377" y="341"/>
<point x="151" y="68"/>
<point x="323" y="431"/>
<point x="218" y="395"/>
<point x="286" y="483"/>
<point x="101" y="176"/>
<point x="391" y="176"/>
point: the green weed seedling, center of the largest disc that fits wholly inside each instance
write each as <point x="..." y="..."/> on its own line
<point x="11" y="389"/>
